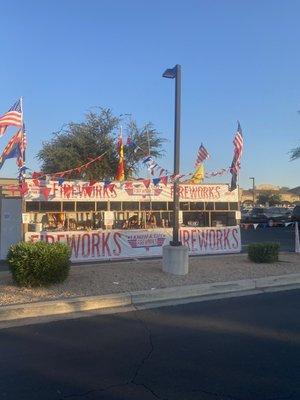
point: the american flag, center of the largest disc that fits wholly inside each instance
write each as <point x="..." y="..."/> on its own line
<point x="13" y="150"/>
<point x="202" y="155"/>
<point x="13" y="117"/>
<point x="22" y="145"/>
<point x="238" y="150"/>
<point x="236" y="162"/>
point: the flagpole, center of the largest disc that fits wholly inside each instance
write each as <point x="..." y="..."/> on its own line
<point x="24" y="145"/>
<point x="21" y="104"/>
<point x="23" y="129"/>
<point x="238" y="188"/>
<point x="149" y="175"/>
<point x="24" y="228"/>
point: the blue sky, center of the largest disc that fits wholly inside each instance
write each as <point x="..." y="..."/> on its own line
<point x="240" y="60"/>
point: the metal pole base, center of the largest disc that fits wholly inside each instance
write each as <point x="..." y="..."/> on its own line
<point x="175" y="260"/>
<point x="172" y="243"/>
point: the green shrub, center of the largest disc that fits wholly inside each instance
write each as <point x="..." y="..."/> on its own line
<point x="39" y="264"/>
<point x="263" y="252"/>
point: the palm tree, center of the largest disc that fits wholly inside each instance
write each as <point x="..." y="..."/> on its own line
<point x="295" y="153"/>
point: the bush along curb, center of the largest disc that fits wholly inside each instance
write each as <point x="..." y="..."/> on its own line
<point x="39" y="264"/>
<point x="263" y="252"/>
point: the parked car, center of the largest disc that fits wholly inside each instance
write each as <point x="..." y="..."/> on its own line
<point x="285" y="212"/>
<point x="271" y="216"/>
<point x="295" y="217"/>
<point x="245" y="212"/>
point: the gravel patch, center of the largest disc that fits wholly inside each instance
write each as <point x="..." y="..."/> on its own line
<point x="118" y="277"/>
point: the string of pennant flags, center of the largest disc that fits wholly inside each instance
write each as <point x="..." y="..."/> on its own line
<point x="18" y="143"/>
<point x="164" y="177"/>
<point x="62" y="174"/>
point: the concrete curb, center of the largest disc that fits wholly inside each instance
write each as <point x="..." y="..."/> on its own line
<point x="57" y="307"/>
<point x="148" y="297"/>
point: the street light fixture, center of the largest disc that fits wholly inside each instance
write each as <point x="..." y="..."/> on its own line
<point x="176" y="256"/>
<point x="253" y="189"/>
<point x="175" y="73"/>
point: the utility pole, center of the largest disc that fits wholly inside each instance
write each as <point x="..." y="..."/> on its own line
<point x="253" y="189"/>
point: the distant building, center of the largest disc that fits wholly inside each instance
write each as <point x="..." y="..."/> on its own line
<point x="296" y="190"/>
<point x="9" y="187"/>
<point x="267" y="187"/>
<point x="288" y="196"/>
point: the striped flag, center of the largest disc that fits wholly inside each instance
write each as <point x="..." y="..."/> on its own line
<point x="13" y="149"/>
<point x="238" y="151"/>
<point x="202" y="155"/>
<point x="23" y="145"/>
<point x="13" y="117"/>
<point x="24" y="139"/>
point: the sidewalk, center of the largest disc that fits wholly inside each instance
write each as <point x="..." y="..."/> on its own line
<point x="142" y="275"/>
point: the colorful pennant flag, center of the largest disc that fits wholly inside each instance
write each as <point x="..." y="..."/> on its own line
<point x="45" y="191"/>
<point x="131" y="143"/>
<point x="146" y="183"/>
<point x="147" y="159"/>
<point x="24" y="188"/>
<point x="128" y="185"/>
<point x="164" y="180"/>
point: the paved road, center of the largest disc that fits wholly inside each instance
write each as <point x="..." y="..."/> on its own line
<point x="246" y="348"/>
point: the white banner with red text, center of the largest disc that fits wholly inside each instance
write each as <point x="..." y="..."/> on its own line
<point x="117" y="244"/>
<point x="130" y="191"/>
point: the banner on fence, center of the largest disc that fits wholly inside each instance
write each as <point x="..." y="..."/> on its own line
<point x="52" y="191"/>
<point x="109" y="244"/>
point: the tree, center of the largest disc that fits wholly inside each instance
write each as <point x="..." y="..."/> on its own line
<point x="77" y="143"/>
<point x="270" y="198"/>
<point x="295" y="153"/>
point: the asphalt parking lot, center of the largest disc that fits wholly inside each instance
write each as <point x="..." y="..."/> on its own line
<point x="240" y="348"/>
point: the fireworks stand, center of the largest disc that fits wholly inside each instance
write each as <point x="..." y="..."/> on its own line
<point x="129" y="220"/>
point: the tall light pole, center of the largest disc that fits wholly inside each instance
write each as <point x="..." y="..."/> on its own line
<point x="253" y="189"/>
<point x="175" y="73"/>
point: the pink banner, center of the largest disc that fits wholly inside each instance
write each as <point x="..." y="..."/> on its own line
<point x="111" y="244"/>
